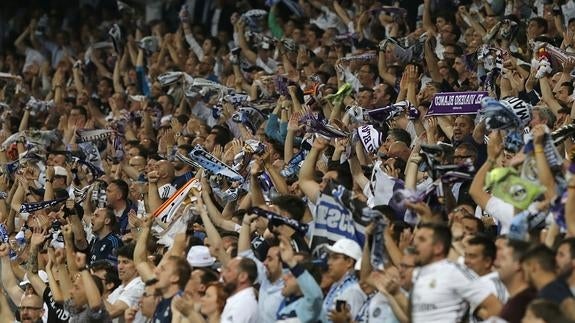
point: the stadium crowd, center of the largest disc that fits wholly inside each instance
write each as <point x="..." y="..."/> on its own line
<point x="287" y="161"/>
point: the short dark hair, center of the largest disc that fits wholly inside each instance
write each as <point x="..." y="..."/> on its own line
<point x="292" y="204"/>
<point x="489" y="249"/>
<point x="543" y="255"/>
<point x="249" y="267"/>
<point x="441" y="234"/>
<point x="569" y="86"/>
<point x="364" y="89"/>
<point x="208" y="275"/>
<point x="470" y="148"/>
<point x="123" y="187"/>
<point x="401" y="135"/>
<point x="480" y="224"/>
<point x="519" y="248"/>
<point x="223" y="135"/>
<point x="111" y="216"/>
<point x="571" y="243"/>
<point x="127" y="251"/>
<point x="81" y="109"/>
<point x="183" y="269"/>
<point x="541" y="23"/>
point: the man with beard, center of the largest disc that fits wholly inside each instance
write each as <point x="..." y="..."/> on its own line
<point x="539" y="266"/>
<point x="31" y="309"/>
<point x="105" y="242"/>
<point x="441" y="287"/>
<point x="239" y="276"/>
<point x="565" y="258"/>
<point x="508" y="266"/>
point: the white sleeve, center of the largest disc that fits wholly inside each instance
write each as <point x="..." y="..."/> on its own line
<point x="132" y="295"/>
<point x="355" y="298"/>
<point x="501" y="211"/>
<point x="467" y="284"/>
<point x="194" y="46"/>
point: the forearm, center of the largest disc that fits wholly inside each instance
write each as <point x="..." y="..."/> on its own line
<point x="24" y="122"/>
<point x="94" y="297"/>
<point x="32" y="265"/>
<point x="288" y="145"/>
<point x="277" y="179"/>
<point x="544" y="172"/>
<point x="308" y="167"/>
<point x="256" y="190"/>
<point x="153" y="196"/>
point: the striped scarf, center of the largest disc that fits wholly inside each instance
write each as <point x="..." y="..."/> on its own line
<point x="32" y="207"/>
<point x="277" y="220"/>
<point x="168" y="209"/>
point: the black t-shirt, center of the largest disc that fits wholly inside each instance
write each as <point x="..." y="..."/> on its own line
<point x="514" y="310"/>
<point x="105" y="248"/>
<point x="163" y="313"/>
<point x="556" y="291"/>
<point x="56" y="312"/>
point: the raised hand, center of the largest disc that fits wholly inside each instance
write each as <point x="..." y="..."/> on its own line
<point x="38" y="237"/>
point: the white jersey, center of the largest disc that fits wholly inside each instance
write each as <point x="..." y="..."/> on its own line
<point x="444" y="291"/>
<point x="496" y="287"/>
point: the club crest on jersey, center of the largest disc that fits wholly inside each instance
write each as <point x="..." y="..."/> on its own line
<point x="432" y="284"/>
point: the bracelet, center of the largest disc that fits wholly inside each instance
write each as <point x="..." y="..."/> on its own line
<point x="539" y="151"/>
<point x="571" y="186"/>
<point x="491" y="161"/>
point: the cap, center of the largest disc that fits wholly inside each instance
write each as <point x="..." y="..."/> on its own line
<point x="199" y="256"/>
<point x="60" y="171"/>
<point x="346" y="247"/>
<point x="43" y="275"/>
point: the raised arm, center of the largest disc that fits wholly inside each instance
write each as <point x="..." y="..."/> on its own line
<point x="250" y="55"/>
<point x="9" y="280"/>
<point x="306" y="174"/>
<point x="476" y="189"/>
<point x="143" y="267"/>
<point x="548" y="97"/>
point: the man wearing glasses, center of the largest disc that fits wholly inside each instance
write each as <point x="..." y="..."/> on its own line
<point x="31" y="309"/>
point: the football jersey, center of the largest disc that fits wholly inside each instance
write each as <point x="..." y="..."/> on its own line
<point x="444" y="291"/>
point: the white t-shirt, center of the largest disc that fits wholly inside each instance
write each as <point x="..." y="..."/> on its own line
<point x="241" y="307"/>
<point x="380" y="310"/>
<point x="442" y="290"/>
<point x="496" y="287"/>
<point x="130" y="294"/>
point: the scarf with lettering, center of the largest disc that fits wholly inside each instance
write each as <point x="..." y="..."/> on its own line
<point x="32" y="207"/>
<point x="370" y="138"/>
<point x="200" y="157"/>
<point x="85" y="135"/>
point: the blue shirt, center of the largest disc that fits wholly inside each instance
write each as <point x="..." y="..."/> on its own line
<point x="306" y="307"/>
<point x="105" y="248"/>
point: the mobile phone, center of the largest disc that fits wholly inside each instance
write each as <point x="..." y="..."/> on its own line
<point x="340" y="305"/>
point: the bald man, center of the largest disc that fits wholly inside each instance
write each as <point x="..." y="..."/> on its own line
<point x="31" y="308"/>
